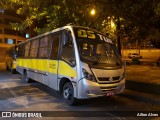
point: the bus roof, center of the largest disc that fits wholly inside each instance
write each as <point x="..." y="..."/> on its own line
<point x="61" y="28"/>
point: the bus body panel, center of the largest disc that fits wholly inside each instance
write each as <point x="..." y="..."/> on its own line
<point x="37" y="70"/>
<point x="66" y="70"/>
<point x="89" y="89"/>
<point x="20" y="70"/>
<point x="108" y="82"/>
<point x="52" y="74"/>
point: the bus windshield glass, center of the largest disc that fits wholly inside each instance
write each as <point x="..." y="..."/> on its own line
<point x="96" y="49"/>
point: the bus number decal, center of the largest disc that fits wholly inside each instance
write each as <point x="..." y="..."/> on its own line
<point x="91" y="34"/>
<point x="86" y="34"/>
<point x="82" y="33"/>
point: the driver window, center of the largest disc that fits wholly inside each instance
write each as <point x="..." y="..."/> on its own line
<point x="68" y="53"/>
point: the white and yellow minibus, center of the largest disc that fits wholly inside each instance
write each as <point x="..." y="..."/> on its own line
<point x="79" y="62"/>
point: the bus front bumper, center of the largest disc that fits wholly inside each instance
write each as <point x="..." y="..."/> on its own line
<point x="88" y="89"/>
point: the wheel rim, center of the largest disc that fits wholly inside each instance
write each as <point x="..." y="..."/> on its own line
<point x="67" y="93"/>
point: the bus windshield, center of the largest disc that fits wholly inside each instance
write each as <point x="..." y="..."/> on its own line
<point x="96" y="51"/>
<point x="99" y="53"/>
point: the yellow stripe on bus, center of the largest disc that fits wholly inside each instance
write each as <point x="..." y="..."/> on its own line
<point x="66" y="70"/>
<point x="41" y="65"/>
<point x="53" y="64"/>
<point x="46" y="65"/>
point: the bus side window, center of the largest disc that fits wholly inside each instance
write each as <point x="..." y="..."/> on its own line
<point x="44" y="47"/>
<point x="21" y="50"/>
<point x="34" y="48"/>
<point x="55" y="46"/>
<point x="27" y="47"/>
<point x="68" y="52"/>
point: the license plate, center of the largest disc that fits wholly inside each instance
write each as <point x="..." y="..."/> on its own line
<point x="109" y="93"/>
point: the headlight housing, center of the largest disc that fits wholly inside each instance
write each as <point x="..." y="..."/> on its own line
<point x="88" y="75"/>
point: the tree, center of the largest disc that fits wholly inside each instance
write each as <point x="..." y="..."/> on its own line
<point x="136" y="20"/>
<point x="50" y="13"/>
<point x="142" y="22"/>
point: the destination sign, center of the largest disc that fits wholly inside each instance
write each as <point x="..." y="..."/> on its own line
<point x="89" y="34"/>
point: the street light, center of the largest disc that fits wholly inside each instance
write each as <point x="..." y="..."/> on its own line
<point x="113" y="26"/>
<point x="93" y="18"/>
<point x="92" y="12"/>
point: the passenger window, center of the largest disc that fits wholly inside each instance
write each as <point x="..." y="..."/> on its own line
<point x="34" y="48"/>
<point x="68" y="52"/>
<point x="27" y="46"/>
<point x="21" y="50"/>
<point x="44" y="48"/>
<point x="55" y="46"/>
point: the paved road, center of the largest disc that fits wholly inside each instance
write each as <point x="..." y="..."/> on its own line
<point x="16" y="95"/>
<point x="143" y="73"/>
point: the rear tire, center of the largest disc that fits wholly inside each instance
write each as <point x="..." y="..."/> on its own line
<point x="13" y="71"/>
<point x="68" y="94"/>
<point x="25" y="78"/>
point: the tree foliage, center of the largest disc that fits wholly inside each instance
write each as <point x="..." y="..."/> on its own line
<point x="136" y="20"/>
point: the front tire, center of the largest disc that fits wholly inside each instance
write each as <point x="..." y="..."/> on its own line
<point x="68" y="94"/>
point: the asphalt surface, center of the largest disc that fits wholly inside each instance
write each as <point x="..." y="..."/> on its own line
<point x="21" y="96"/>
<point x="145" y="78"/>
<point x="144" y="82"/>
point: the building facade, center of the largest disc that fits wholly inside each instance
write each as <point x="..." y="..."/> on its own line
<point x="8" y="36"/>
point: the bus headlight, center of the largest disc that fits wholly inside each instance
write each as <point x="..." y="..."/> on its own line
<point x="88" y="76"/>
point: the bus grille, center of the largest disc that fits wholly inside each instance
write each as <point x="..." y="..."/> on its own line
<point x="107" y="89"/>
<point x="108" y="80"/>
<point x="108" y="84"/>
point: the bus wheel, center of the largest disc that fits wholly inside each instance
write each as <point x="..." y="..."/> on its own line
<point x="68" y="94"/>
<point x="25" y="78"/>
<point x="13" y="71"/>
